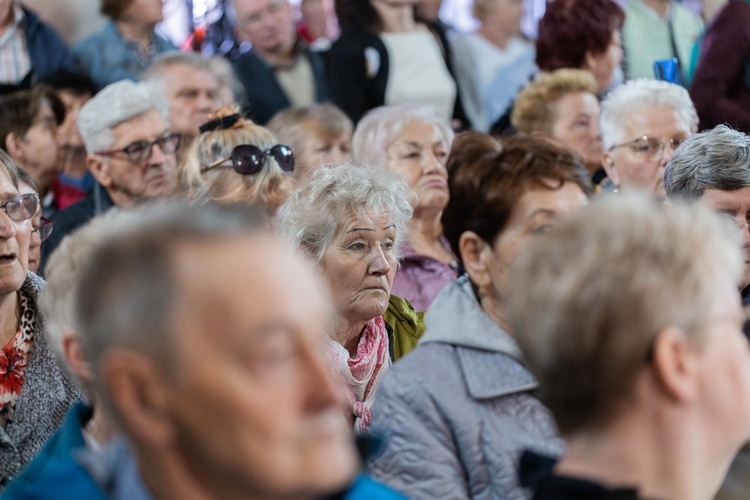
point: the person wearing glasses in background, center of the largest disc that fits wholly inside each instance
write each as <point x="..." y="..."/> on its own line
<point x="35" y="393"/>
<point x="130" y="152"/>
<point x="642" y="123"/>
<point x="41" y="227"/>
<point x="234" y="160"/>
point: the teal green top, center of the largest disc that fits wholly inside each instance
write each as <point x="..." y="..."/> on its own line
<point x="645" y="38"/>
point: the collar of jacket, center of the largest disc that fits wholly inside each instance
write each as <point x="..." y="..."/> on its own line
<point x="455" y="317"/>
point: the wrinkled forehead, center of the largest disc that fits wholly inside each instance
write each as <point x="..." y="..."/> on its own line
<point x="179" y="77"/>
<point x="660" y="122"/>
<point x="146" y="126"/>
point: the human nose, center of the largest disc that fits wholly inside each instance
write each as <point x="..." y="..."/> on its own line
<point x="432" y="164"/>
<point x="206" y="102"/>
<point x="379" y="265"/>
<point x="7" y="225"/>
<point x="158" y="156"/>
<point x="666" y="150"/>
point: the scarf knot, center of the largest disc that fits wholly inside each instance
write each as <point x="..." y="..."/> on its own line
<point x="362" y="372"/>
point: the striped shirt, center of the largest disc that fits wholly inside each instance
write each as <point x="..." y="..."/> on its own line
<point x="15" y="62"/>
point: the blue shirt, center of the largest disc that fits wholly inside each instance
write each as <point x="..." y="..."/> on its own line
<point x="57" y="468"/>
<point x="108" y="57"/>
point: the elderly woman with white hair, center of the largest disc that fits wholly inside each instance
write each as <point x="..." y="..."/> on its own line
<point x="414" y="143"/>
<point x="350" y="221"/>
<point x="642" y="123"/>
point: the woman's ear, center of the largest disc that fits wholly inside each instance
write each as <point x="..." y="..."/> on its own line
<point x="473" y="249"/>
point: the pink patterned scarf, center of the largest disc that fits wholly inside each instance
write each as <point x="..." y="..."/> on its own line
<point x="362" y="372"/>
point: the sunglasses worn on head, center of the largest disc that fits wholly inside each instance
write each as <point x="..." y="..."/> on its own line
<point x="249" y="160"/>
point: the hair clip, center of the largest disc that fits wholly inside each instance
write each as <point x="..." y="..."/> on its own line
<point x="222" y="123"/>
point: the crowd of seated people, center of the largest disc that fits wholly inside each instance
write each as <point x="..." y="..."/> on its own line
<point x="398" y="262"/>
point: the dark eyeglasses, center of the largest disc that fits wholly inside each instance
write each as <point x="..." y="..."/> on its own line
<point x="650" y="147"/>
<point x="21" y="208"/>
<point x="249" y="160"/>
<point x="44" y="229"/>
<point x="141" y="151"/>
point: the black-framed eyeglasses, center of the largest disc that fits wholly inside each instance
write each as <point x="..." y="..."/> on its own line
<point x="249" y="160"/>
<point x="22" y="207"/>
<point x="45" y="228"/>
<point x="141" y="151"/>
<point x="650" y="147"/>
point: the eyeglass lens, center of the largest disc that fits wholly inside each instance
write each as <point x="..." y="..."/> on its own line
<point x="249" y="160"/>
<point x="45" y="228"/>
<point x="21" y="207"/>
<point x="141" y="151"/>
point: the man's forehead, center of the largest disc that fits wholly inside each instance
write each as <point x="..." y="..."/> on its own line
<point x="245" y="8"/>
<point x="720" y="199"/>
<point x="146" y="126"/>
<point x="183" y="76"/>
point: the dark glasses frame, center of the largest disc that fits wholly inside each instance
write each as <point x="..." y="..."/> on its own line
<point x="45" y="228"/>
<point x="248" y="159"/>
<point x="140" y="151"/>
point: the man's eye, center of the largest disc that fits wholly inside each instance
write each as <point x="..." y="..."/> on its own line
<point x="136" y="147"/>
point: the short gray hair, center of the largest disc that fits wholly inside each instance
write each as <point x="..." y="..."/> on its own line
<point x="382" y="126"/>
<point x="128" y="288"/>
<point x="57" y="300"/>
<point x="637" y="95"/>
<point x="312" y="215"/>
<point x="601" y="285"/>
<point x="714" y="159"/>
<point x="116" y="103"/>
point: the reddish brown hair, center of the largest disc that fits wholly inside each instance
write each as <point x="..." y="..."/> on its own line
<point x="486" y="178"/>
<point x="571" y="28"/>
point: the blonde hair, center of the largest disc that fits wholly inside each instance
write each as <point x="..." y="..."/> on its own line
<point x="535" y="109"/>
<point x="268" y="187"/>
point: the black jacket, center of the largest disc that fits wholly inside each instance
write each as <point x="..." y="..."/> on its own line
<point x="265" y="97"/>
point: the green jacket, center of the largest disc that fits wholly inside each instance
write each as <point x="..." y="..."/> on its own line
<point x="405" y="326"/>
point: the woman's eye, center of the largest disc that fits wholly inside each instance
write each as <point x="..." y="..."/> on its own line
<point x="388" y="245"/>
<point x="544" y="228"/>
<point x="357" y="246"/>
<point x="412" y="156"/>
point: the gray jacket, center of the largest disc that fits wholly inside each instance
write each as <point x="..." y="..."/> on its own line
<point x="45" y="397"/>
<point x="458" y="411"/>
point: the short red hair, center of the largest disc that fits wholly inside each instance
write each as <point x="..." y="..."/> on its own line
<point x="571" y="28"/>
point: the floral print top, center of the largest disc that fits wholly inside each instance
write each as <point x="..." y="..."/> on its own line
<point x="13" y="361"/>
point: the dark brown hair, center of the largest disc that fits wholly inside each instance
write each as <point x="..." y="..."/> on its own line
<point x="18" y="110"/>
<point x="114" y="8"/>
<point x="486" y="178"/>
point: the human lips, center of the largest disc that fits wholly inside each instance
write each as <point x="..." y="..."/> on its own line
<point x="7" y="258"/>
